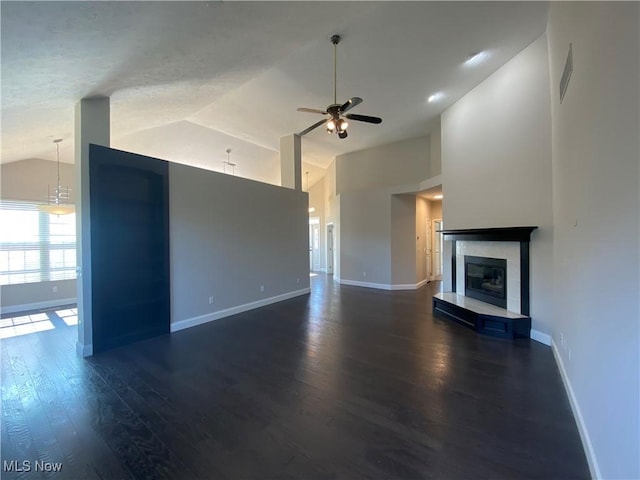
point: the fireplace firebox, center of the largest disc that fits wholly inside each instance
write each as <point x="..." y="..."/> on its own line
<point x="486" y="279"/>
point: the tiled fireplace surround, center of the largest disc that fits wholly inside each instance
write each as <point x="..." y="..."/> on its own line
<point x="492" y="249"/>
<point x="510" y="243"/>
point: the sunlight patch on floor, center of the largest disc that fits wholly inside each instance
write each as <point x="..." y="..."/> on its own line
<point x="25" y="324"/>
<point x="69" y="316"/>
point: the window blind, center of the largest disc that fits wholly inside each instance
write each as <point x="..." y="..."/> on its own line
<point x="35" y="246"/>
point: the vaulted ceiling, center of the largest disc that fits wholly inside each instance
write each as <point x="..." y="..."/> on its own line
<point x="188" y="80"/>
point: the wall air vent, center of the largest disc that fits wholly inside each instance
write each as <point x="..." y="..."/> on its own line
<point x="566" y="73"/>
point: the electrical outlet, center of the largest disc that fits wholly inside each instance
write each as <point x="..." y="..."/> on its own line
<point x="364" y="274"/>
<point x="211" y="300"/>
<point x="297" y="280"/>
<point x="262" y="288"/>
<point x="55" y="289"/>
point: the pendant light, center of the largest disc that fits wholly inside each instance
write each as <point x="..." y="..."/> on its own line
<point x="57" y="204"/>
<point x="228" y="162"/>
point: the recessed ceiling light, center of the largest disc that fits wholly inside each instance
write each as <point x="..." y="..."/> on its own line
<point x="438" y="196"/>
<point x="476" y="59"/>
<point x="435" y="97"/>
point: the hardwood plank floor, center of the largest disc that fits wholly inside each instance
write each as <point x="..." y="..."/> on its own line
<point x="345" y="383"/>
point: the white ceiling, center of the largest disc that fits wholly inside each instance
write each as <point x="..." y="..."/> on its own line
<point x="188" y="80"/>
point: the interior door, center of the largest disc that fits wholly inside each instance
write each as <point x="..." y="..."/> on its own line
<point x="314" y="244"/>
<point x="428" y="237"/>
<point x="437" y="250"/>
<point x="129" y="247"/>
<point x="330" y="249"/>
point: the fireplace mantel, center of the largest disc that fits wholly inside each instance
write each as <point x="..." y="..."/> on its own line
<point x="498" y="234"/>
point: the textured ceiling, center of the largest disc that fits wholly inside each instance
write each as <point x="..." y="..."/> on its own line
<point x="188" y="80"/>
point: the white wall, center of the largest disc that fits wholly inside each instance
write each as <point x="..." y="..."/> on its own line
<point x="229" y="237"/>
<point x="596" y="225"/>
<point x="496" y="163"/>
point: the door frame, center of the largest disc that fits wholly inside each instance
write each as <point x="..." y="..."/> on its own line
<point x="437" y="257"/>
<point x="330" y="247"/>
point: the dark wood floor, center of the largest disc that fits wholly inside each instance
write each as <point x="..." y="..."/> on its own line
<point x="345" y="383"/>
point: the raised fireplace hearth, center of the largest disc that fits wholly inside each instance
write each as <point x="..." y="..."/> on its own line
<point x="490" y="273"/>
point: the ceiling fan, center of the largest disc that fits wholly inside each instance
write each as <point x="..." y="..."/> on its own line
<point x="336" y="118"/>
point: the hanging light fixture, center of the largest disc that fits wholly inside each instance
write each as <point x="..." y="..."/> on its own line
<point x="228" y="162"/>
<point x="58" y="203"/>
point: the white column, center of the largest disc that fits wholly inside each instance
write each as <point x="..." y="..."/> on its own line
<point x="291" y="162"/>
<point x="92" y="125"/>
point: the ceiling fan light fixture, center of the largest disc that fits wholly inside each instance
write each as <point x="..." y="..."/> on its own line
<point x="335" y="121"/>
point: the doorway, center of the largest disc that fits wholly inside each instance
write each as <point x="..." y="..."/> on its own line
<point x="436" y="257"/>
<point x="428" y="249"/>
<point x="330" y="249"/>
<point x="314" y="244"/>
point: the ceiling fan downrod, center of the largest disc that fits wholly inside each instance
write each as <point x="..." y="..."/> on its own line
<point x="335" y="114"/>
<point x="335" y="39"/>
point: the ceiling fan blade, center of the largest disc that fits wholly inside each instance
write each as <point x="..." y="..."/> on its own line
<point x="349" y="104"/>
<point x="363" y="118"/>
<point x="311" y="110"/>
<point x="312" y="127"/>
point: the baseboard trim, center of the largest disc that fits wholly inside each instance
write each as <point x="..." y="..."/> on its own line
<point x="538" y="336"/>
<point x="210" y="317"/>
<point x="594" y="469"/>
<point x="84" y="350"/>
<point x="409" y="286"/>
<point x="25" y="307"/>
<point x="382" y="286"/>
<point x="356" y="283"/>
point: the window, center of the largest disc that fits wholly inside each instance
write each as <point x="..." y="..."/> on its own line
<point x="35" y="246"/>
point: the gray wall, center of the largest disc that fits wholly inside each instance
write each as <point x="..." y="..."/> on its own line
<point x="229" y="237"/>
<point x="32" y="296"/>
<point x="496" y="163"/>
<point x="436" y="150"/>
<point x="377" y="233"/>
<point x="317" y="201"/>
<point x="27" y="180"/>
<point x="596" y="225"/>
<point x="399" y="163"/>
<point x="403" y="240"/>
<point x="332" y="213"/>
<point x="365" y="240"/>
<point x="422" y="214"/>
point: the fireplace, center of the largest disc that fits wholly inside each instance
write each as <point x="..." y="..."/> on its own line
<point x="485" y="254"/>
<point x="486" y="279"/>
